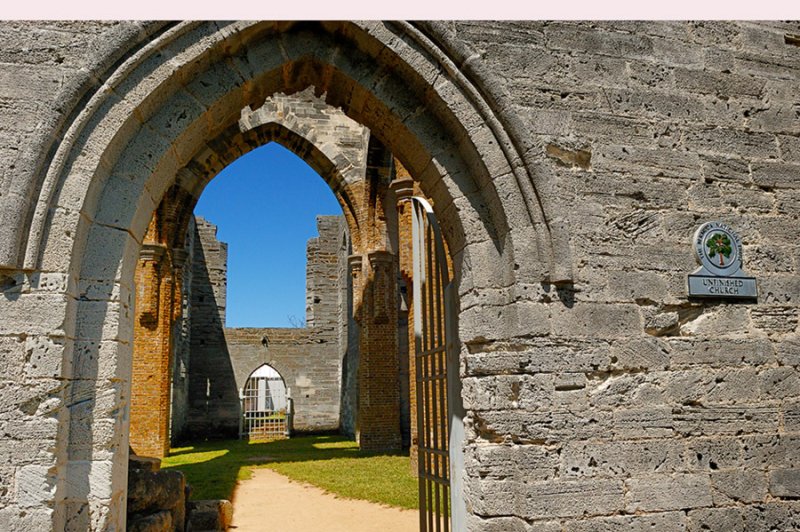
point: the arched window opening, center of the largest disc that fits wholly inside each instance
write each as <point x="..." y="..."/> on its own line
<point x="266" y="406"/>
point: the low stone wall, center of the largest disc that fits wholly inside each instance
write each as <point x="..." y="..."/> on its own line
<point x="156" y="497"/>
<point x="158" y="501"/>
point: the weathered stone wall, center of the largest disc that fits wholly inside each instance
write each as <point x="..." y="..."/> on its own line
<point x="213" y="402"/>
<point x="554" y="152"/>
<point x="616" y="402"/>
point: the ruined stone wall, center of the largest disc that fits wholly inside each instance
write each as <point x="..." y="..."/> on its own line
<point x="308" y="358"/>
<point x="213" y="403"/>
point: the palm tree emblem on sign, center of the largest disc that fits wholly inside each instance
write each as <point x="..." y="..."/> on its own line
<point x="719" y="244"/>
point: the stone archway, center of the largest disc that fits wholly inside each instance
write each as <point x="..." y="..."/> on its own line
<point x="332" y="144"/>
<point x="182" y="92"/>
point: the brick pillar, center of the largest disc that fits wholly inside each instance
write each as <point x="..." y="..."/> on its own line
<point x="152" y="361"/>
<point x="378" y="423"/>
<point x="403" y="187"/>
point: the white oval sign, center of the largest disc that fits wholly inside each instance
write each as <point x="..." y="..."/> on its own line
<point x="718" y="248"/>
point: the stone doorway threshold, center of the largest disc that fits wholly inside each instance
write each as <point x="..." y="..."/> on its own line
<point x="271" y="501"/>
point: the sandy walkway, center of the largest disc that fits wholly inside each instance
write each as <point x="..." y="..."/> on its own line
<point x="270" y="501"/>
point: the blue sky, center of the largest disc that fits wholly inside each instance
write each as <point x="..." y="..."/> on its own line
<point x="265" y="206"/>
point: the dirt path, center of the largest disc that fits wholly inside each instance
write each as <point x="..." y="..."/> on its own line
<point x="270" y="501"/>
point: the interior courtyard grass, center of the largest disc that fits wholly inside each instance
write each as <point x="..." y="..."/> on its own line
<point x="331" y="462"/>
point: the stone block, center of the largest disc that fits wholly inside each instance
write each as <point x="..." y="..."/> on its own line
<point x="36" y="486"/>
<point x="521" y="319"/>
<point x="140" y="157"/>
<point x="40" y="398"/>
<point x="12" y="356"/>
<point x="596" y="320"/>
<point x="731" y="352"/>
<point x="732" y="142"/>
<point x="639" y="354"/>
<point x="775" y="319"/>
<point x="725" y="420"/>
<point x="504" y="524"/>
<point x="734" y="386"/>
<point x="517" y="462"/>
<point x="712" y="454"/>
<point x="155" y="522"/>
<point x="780" y="383"/>
<point x="108" y="250"/>
<point x="704" y="519"/>
<point x="729" y="487"/>
<point x="624" y="389"/>
<point x="784" y="483"/>
<point x="144" y="463"/>
<point x="571" y="498"/>
<point x="776" y="228"/>
<point x="645" y="161"/>
<point x="18" y="452"/>
<point x="154" y="490"/>
<point x="721" y="84"/>
<point x="778" y="288"/>
<point x="539" y="427"/>
<point x="104" y="321"/>
<point x="540" y="355"/>
<point x="667" y="492"/>
<point x="731" y="319"/>
<point x="772" y="516"/>
<point x="120" y="201"/>
<point x="565" y="36"/>
<point x="101" y="360"/>
<point x="644" y="422"/>
<point x="726" y="169"/>
<point x="771" y="451"/>
<point x="529" y="392"/>
<point x="789" y="147"/>
<point x="51" y="311"/>
<point x="45" y="356"/>
<point x="776" y="175"/>
<point x="631" y="286"/>
<point x="623" y="458"/>
<point x="662" y="522"/>
<point x="90" y="477"/>
<point x="790" y="411"/>
<point x="15" y="518"/>
<point x="211" y="515"/>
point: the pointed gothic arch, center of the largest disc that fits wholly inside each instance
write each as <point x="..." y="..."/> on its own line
<point x="178" y="93"/>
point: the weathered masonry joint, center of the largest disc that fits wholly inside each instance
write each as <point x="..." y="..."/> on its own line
<point x="568" y="163"/>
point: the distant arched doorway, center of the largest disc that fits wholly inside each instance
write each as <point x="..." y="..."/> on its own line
<point x="266" y="406"/>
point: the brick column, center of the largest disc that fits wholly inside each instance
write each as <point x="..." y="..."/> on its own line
<point x="152" y="361"/>
<point x="403" y="187"/>
<point x="378" y="423"/>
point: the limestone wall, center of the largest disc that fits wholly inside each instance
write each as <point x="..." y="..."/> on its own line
<point x="671" y="413"/>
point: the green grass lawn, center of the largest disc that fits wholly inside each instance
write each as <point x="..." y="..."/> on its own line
<point x="330" y="462"/>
